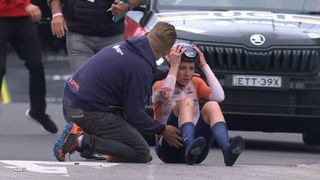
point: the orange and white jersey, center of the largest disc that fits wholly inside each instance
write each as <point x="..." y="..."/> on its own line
<point x="196" y="90"/>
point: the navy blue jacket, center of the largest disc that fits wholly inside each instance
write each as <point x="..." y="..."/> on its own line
<point x="118" y="75"/>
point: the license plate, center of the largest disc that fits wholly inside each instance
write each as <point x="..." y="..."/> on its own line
<point x="257" y="81"/>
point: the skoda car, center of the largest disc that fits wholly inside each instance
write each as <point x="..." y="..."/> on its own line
<point x="265" y="53"/>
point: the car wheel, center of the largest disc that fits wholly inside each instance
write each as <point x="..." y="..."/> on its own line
<point x="311" y="138"/>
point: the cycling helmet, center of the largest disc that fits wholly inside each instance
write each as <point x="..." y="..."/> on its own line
<point x="190" y="55"/>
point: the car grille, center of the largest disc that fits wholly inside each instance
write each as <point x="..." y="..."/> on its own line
<point x="272" y="102"/>
<point x="295" y="61"/>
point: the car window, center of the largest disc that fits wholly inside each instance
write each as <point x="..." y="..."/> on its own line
<point x="266" y="5"/>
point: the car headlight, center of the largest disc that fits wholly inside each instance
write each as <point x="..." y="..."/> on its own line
<point x="160" y="61"/>
<point x="162" y="64"/>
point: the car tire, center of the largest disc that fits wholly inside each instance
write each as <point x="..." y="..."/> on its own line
<point x="311" y="138"/>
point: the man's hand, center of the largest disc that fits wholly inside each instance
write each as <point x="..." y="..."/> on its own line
<point x="58" y="26"/>
<point x="172" y="135"/>
<point x="34" y="12"/>
<point x="119" y="8"/>
<point x="58" y="23"/>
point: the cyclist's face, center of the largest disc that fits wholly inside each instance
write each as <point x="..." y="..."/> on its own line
<point x="185" y="73"/>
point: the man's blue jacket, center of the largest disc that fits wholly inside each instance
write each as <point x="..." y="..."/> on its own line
<point x="119" y="75"/>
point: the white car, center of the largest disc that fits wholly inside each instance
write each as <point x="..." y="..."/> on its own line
<point x="265" y="53"/>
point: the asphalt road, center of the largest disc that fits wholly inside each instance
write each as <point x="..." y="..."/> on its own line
<point x="57" y="70"/>
<point x="26" y="150"/>
<point x="26" y="153"/>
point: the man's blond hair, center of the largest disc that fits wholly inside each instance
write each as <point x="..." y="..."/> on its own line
<point x="163" y="35"/>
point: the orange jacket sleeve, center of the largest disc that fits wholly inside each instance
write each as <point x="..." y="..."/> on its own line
<point x="203" y="90"/>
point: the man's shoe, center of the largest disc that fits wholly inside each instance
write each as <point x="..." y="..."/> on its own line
<point x="195" y="149"/>
<point x="236" y="148"/>
<point x="118" y="159"/>
<point x="44" y="120"/>
<point x="93" y="156"/>
<point x="67" y="143"/>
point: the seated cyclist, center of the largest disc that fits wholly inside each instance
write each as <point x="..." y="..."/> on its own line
<point x="176" y="102"/>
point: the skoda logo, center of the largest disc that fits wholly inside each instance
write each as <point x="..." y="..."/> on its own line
<point x="257" y="39"/>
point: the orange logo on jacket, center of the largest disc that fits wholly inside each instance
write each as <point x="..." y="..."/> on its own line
<point x="74" y="84"/>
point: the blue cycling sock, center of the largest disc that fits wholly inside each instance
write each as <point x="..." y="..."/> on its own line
<point x="220" y="134"/>
<point x="187" y="132"/>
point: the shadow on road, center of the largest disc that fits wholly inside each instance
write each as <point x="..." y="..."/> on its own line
<point x="280" y="146"/>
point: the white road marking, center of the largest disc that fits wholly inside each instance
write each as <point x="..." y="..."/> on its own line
<point x="51" y="167"/>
